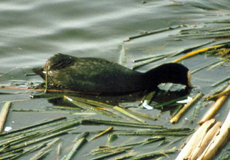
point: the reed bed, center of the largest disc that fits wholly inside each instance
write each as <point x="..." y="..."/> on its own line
<point x="41" y="138"/>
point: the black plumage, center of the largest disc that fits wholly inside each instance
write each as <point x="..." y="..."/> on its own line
<point x="99" y="76"/>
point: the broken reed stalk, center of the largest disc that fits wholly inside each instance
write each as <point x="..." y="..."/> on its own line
<point x="153" y="32"/>
<point x="214" y="108"/>
<point x="49" y="123"/>
<point x="125" y="156"/>
<point x="107" y="149"/>
<point x="119" y="123"/>
<point x="33" y="141"/>
<point x="196" y="52"/>
<point x="102" y="133"/>
<point x="225" y="92"/>
<point x="59" y="146"/>
<point x="195" y="139"/>
<point x="16" y="140"/>
<point x="221" y="81"/>
<point x="218" y="141"/>
<point x="80" y="140"/>
<point x="152" y="133"/>
<point x="91" y="102"/>
<point x="92" y="108"/>
<point x="39" y="90"/>
<point x="24" y="140"/>
<point x="114" y="152"/>
<point x="143" y="115"/>
<point x="121" y="110"/>
<point x="204" y="142"/>
<point x="154" y="154"/>
<point x="44" y="150"/>
<point x="185" y="107"/>
<point x="171" y="102"/>
<point x="147" y="58"/>
<point x="3" y="114"/>
<point x="96" y="103"/>
<point x="216" y="65"/>
<point x="205" y="66"/>
<point x="215" y="92"/>
<point x="140" y="64"/>
<point x="23" y="151"/>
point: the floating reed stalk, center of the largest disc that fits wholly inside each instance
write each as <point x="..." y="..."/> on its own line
<point x="214" y="108"/>
<point x="154" y="154"/>
<point x="205" y="66"/>
<point x="33" y="141"/>
<point x="49" y="123"/>
<point x="107" y="149"/>
<point x="121" y="110"/>
<point x="3" y="114"/>
<point x="153" y="32"/>
<point x="59" y="146"/>
<point x="114" y="152"/>
<point x="140" y="64"/>
<point x="205" y="141"/>
<point x="195" y="139"/>
<point x="196" y="52"/>
<point x="216" y="65"/>
<point x="91" y="102"/>
<point x="92" y="108"/>
<point x="102" y="133"/>
<point x="44" y="150"/>
<point x="185" y="107"/>
<point x="153" y="133"/>
<point x="39" y="90"/>
<point x="10" y="144"/>
<point x="218" y="95"/>
<point x="216" y="92"/>
<point x="221" y="81"/>
<point x="125" y="156"/>
<point x="218" y="141"/>
<point x="118" y="123"/>
<point x="81" y="139"/>
<point x="25" y="151"/>
<point x="147" y="57"/>
<point x="169" y="102"/>
<point x="143" y="115"/>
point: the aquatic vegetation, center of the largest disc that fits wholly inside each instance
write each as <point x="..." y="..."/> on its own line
<point x="176" y="117"/>
<point x="215" y="107"/>
<point x="111" y="122"/>
<point x="3" y="114"/>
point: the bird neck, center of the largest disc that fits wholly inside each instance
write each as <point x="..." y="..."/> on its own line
<point x="153" y="78"/>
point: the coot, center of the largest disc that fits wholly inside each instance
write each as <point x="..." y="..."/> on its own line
<point x="99" y="76"/>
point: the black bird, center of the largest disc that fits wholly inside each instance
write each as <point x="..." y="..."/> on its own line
<point x="99" y="76"/>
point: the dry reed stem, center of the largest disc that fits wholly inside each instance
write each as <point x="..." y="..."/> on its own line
<point x="185" y="107"/>
<point x="195" y="52"/>
<point x="102" y="133"/>
<point x="3" y="114"/>
<point x="195" y="139"/>
<point x="205" y="141"/>
<point x="218" y="141"/>
<point x="214" y="108"/>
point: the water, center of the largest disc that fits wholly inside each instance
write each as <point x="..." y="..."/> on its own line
<point x="32" y="31"/>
